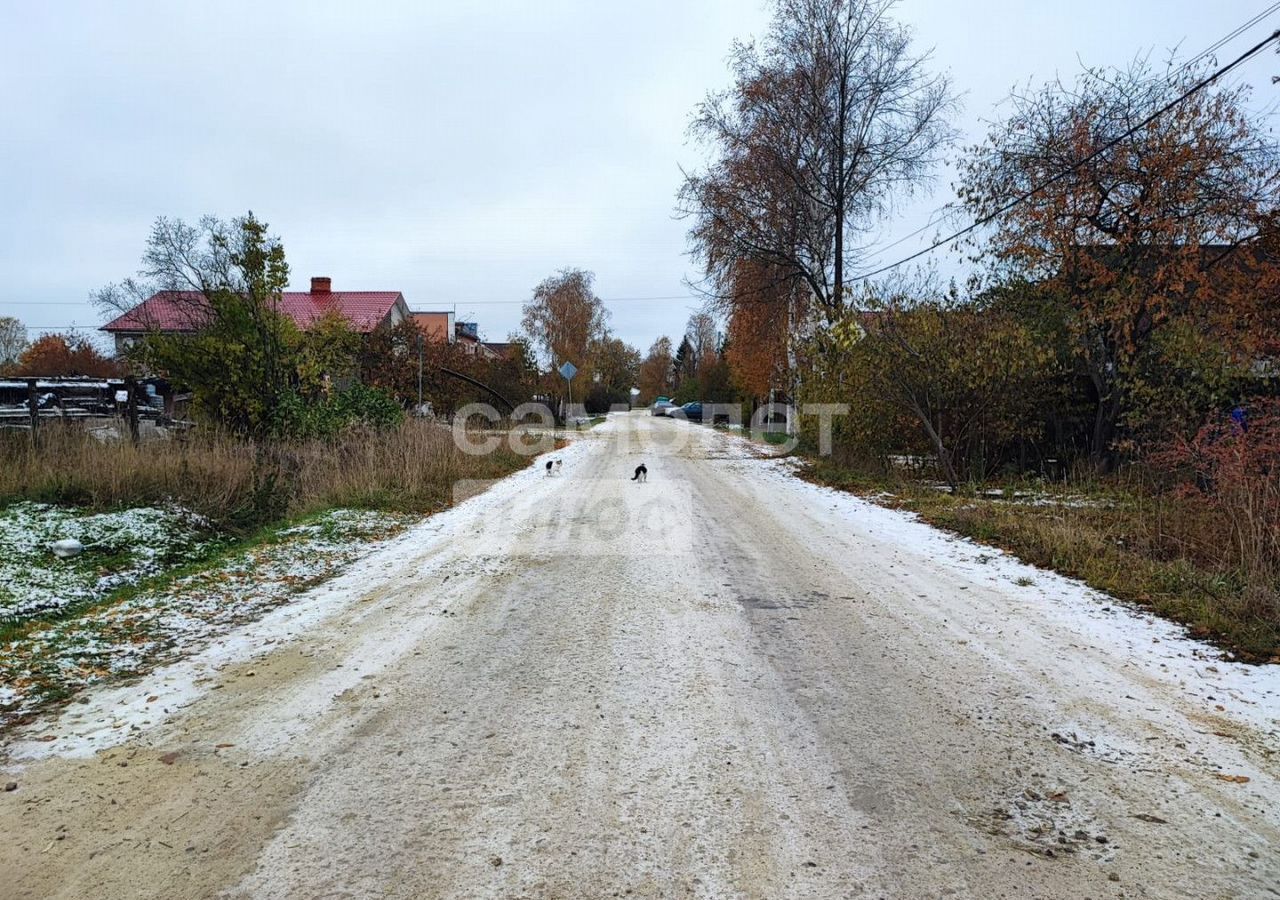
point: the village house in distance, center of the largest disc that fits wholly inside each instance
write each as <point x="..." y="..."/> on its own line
<point x="177" y="312"/>
<point x="443" y="326"/>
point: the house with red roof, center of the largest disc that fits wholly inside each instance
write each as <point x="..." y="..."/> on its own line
<point x="176" y="312"/>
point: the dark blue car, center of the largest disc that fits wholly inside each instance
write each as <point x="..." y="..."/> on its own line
<point x="692" y="411"/>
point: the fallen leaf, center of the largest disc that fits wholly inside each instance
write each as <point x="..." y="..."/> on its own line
<point x="169" y="758"/>
<point x="1147" y="817"/>
<point x="1234" y="779"/>
<point x="220" y="746"/>
<point x="47" y="737"/>
<point x="153" y="698"/>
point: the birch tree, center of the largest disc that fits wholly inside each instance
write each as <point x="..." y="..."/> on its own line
<point x="831" y="120"/>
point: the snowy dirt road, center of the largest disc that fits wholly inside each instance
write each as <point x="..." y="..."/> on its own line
<point x="726" y="682"/>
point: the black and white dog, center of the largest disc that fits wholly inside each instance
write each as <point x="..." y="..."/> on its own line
<point x="553" y="466"/>
<point x="642" y="474"/>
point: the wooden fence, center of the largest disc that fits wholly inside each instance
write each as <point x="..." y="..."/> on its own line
<point x="26" y="402"/>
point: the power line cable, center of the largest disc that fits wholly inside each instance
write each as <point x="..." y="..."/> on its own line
<point x="450" y="302"/>
<point x="1227" y="38"/>
<point x="937" y="215"/>
<point x="1028" y="194"/>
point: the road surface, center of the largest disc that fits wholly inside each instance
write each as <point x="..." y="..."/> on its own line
<point x="724" y="682"/>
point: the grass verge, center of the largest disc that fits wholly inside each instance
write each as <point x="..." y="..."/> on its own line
<point x="240" y="487"/>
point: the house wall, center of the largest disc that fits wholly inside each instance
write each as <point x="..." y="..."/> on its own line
<point x="437" y="326"/>
<point x="399" y="312"/>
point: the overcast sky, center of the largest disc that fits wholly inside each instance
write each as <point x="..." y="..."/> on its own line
<point x="458" y="152"/>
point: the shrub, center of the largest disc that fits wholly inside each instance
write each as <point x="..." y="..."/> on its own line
<point x="328" y="415"/>
<point x="1233" y="465"/>
<point x="933" y="376"/>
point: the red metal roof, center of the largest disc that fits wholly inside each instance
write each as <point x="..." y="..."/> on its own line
<point x="188" y="310"/>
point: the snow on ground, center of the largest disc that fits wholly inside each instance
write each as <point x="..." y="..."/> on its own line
<point x="1163" y="649"/>
<point x="460" y="700"/>
<point x="1041" y="498"/>
<point x="153" y="626"/>
<point x="236" y="612"/>
<point x="120" y="548"/>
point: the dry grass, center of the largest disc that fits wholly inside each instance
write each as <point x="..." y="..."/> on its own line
<point x="414" y="467"/>
<point x="1176" y="555"/>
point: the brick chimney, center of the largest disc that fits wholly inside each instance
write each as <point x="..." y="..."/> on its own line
<point x="321" y="284"/>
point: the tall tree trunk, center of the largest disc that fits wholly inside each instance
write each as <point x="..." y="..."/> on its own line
<point x="1104" y="431"/>
<point x="944" y="458"/>
<point x="837" y="287"/>
<point x="841" y="200"/>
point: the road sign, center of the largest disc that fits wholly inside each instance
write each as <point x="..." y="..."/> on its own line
<point x="568" y="370"/>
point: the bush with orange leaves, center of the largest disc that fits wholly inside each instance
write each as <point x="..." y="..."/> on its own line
<point x="1233" y="465"/>
<point x="64" y="355"/>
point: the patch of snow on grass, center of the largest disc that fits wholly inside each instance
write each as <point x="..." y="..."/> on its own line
<point x="156" y="625"/>
<point x="120" y="548"/>
<point x="181" y="672"/>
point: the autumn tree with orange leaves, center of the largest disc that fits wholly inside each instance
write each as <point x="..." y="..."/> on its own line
<point x="655" y="371"/>
<point x="760" y="321"/>
<point x="1166" y="227"/>
<point x="565" y="319"/>
<point x="65" y="355"/>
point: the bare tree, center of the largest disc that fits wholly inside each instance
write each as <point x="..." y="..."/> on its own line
<point x="829" y="122"/>
<point x="13" y="340"/>
<point x="704" y="337"/>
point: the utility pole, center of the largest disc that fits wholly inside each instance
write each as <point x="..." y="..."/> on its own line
<point x="419" y="374"/>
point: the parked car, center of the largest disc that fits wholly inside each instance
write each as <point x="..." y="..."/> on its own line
<point x="692" y="411"/>
<point x="661" y="407"/>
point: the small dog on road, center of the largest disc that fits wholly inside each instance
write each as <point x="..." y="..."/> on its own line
<point x="553" y="466"/>
<point x="642" y="474"/>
